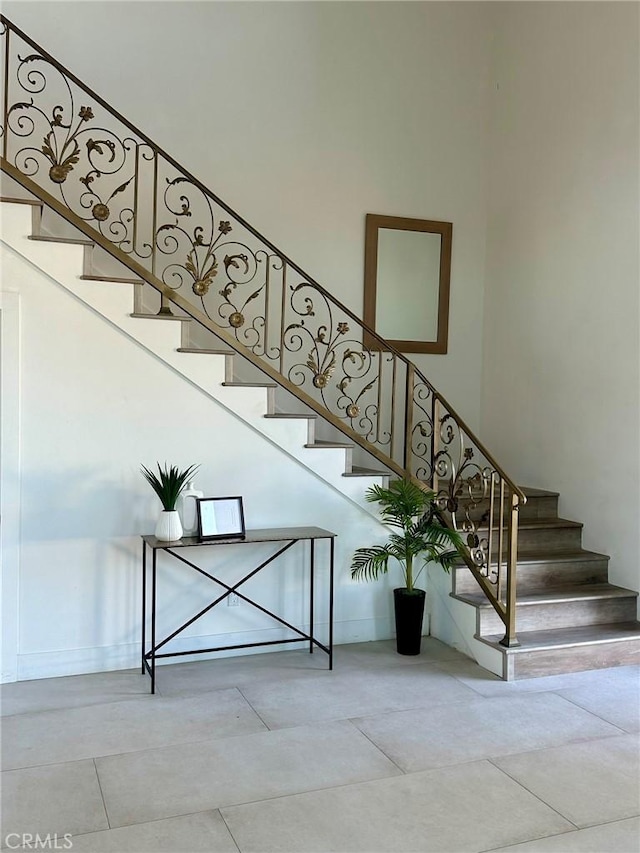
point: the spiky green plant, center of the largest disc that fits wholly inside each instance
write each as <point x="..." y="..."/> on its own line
<point x="168" y="483"/>
<point x="411" y="510"/>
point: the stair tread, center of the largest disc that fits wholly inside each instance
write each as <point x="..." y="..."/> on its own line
<point x="532" y="492"/>
<point x="528" y="556"/>
<point x="250" y="384"/>
<point x="114" y="278"/>
<point x="575" y="592"/>
<point x="200" y="351"/>
<point x="541" y="524"/>
<point x="320" y="444"/>
<point x="74" y="241"/>
<point x="357" y="471"/>
<point x="559" y="637"/>
<point x="141" y="316"/>
<point x="529" y="492"/>
<point x="34" y="202"/>
<point x="291" y="416"/>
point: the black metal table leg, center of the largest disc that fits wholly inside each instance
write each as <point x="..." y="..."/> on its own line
<point x="311" y="585"/>
<point x="153" y="624"/>
<point x="332" y="543"/>
<point x="144" y="600"/>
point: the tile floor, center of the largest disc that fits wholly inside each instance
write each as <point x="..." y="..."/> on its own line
<point x="273" y="752"/>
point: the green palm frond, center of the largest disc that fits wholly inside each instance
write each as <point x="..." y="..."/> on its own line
<point x="400" y="502"/>
<point x="369" y="563"/>
<point x="420" y="532"/>
<point x="168" y="482"/>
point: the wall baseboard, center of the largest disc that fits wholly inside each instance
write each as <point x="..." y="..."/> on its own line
<point x="53" y="664"/>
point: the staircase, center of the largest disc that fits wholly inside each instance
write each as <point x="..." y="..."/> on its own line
<point x="569" y="617"/>
<point x="238" y="319"/>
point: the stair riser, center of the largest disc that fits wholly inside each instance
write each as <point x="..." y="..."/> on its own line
<point x="564" y="614"/>
<point x="550" y="539"/>
<point x="535" y="508"/>
<point x="543" y="575"/>
<point x="535" y="664"/>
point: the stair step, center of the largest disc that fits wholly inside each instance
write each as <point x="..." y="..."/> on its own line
<point x="71" y="240"/>
<point x="573" y="606"/>
<point x="544" y="523"/>
<point x="292" y="416"/>
<point x="571" y="649"/>
<point x="548" y="534"/>
<point x="112" y="278"/>
<point x="540" y="504"/>
<point x="319" y="445"/>
<point x="250" y="384"/>
<point x="141" y="316"/>
<point x="538" y="523"/>
<point x="200" y="351"/>
<point x="358" y="471"/>
<point x="562" y="594"/>
<point x="545" y="570"/>
<point x="532" y="492"/>
<point x="32" y="201"/>
<point x="529" y="491"/>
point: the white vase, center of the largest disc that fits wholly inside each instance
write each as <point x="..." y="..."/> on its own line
<point x="169" y="527"/>
<point x="187" y="509"/>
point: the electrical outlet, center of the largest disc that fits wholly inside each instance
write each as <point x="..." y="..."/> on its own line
<point x="233" y="600"/>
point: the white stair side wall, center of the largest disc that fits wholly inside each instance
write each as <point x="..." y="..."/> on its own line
<point x="454" y="622"/>
<point x="94" y="406"/>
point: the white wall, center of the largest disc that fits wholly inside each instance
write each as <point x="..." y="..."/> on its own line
<point x="94" y="405"/>
<point x="561" y="369"/>
<point x="304" y="117"/>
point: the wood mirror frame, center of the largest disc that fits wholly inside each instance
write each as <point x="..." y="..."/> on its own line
<point x="374" y="223"/>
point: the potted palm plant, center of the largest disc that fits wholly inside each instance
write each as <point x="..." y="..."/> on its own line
<point x="421" y="535"/>
<point x="168" y="484"/>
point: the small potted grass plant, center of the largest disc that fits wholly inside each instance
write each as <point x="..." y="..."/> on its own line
<point x="421" y="535"/>
<point x="168" y="484"/>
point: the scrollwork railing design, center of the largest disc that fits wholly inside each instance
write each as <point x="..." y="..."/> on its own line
<point x="83" y="159"/>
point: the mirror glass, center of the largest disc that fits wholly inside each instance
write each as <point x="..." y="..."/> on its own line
<point x="407" y="270"/>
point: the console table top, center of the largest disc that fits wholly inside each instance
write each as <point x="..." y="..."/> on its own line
<point x="269" y="534"/>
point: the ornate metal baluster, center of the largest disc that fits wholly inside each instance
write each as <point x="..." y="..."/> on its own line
<point x="5" y="109"/>
<point x="282" y="317"/>
<point x="408" y="417"/>
<point x="435" y="442"/>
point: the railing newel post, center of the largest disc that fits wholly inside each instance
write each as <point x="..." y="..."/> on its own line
<point x="500" y="549"/>
<point x="510" y="639"/>
<point x="392" y="418"/>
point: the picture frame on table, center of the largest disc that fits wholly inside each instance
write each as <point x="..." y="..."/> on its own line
<point x="220" y="518"/>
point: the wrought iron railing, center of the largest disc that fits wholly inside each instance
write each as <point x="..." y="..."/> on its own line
<point x="83" y="159"/>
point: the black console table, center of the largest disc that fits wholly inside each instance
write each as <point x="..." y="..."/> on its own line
<point x="289" y="535"/>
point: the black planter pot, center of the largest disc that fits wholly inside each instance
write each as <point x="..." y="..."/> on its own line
<point x="409" y="610"/>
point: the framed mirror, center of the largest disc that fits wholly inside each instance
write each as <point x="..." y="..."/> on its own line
<point x="407" y="270"/>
